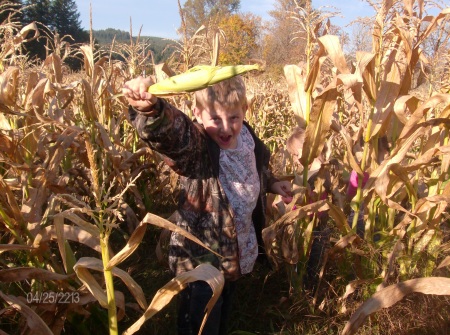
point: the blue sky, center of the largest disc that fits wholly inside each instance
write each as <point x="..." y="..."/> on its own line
<point x="161" y="18"/>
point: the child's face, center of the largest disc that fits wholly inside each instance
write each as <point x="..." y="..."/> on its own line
<point x="223" y="124"/>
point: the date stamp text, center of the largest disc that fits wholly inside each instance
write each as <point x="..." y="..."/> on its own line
<point x="53" y="297"/>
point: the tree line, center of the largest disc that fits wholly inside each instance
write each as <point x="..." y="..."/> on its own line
<point x="61" y="18"/>
<point x="277" y="41"/>
<point x="243" y="36"/>
<point x="54" y="19"/>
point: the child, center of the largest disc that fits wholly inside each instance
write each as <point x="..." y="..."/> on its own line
<point x="224" y="178"/>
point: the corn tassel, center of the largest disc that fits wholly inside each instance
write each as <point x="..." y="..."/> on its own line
<point x="197" y="78"/>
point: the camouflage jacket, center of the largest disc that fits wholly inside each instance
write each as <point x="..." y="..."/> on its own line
<point x="203" y="208"/>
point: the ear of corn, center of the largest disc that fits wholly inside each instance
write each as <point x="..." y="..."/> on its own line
<point x="197" y="78"/>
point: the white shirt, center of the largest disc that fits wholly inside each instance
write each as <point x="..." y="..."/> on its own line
<point x="239" y="178"/>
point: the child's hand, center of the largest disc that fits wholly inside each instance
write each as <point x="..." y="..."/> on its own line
<point x="137" y="95"/>
<point x="283" y="188"/>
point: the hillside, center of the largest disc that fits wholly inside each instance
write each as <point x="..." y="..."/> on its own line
<point x="157" y="44"/>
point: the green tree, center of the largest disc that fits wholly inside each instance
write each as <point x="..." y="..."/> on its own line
<point x="54" y="16"/>
<point x="203" y="12"/>
<point x="38" y="11"/>
<point x="66" y="20"/>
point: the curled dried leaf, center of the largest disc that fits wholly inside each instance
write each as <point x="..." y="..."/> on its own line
<point x="392" y="294"/>
<point x="34" y="322"/>
<point x="9" y="85"/>
<point x="82" y="270"/>
<point x="204" y="272"/>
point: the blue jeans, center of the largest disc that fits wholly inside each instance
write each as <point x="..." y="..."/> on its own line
<point x="192" y="302"/>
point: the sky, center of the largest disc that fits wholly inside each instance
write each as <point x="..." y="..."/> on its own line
<point x="160" y="18"/>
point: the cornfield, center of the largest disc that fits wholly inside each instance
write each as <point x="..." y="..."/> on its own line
<point x="79" y="193"/>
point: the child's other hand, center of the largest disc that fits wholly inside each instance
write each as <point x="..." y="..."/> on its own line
<point x="283" y="188"/>
<point x="136" y="92"/>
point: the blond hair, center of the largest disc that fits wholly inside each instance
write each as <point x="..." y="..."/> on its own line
<point x="227" y="93"/>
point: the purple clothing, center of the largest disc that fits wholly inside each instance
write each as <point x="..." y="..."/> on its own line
<point x="353" y="183"/>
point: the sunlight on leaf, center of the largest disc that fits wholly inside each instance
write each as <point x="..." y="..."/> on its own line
<point x="204" y="272"/>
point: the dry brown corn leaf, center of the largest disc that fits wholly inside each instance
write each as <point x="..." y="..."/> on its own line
<point x="339" y="218"/>
<point x="38" y="98"/>
<point x="26" y="273"/>
<point x="427" y="157"/>
<point x="19" y="39"/>
<point x="109" y="146"/>
<point x="402" y="174"/>
<point x="342" y="244"/>
<point x="132" y="244"/>
<point x="281" y="244"/>
<point x="8" y="201"/>
<point x="5" y="122"/>
<point x="82" y="270"/>
<point x="395" y="66"/>
<point x="436" y="204"/>
<point x="350" y="288"/>
<point x="138" y="234"/>
<point x="8" y="86"/>
<point x="444" y="263"/>
<point x="163" y="71"/>
<point x="392" y="260"/>
<point x="7" y="146"/>
<point x="295" y="78"/>
<point x="54" y="64"/>
<point x="379" y="178"/>
<point x="392" y="294"/>
<point x="333" y="47"/>
<point x="8" y="247"/>
<point x="435" y="22"/>
<point x="380" y="19"/>
<point x="34" y="322"/>
<point x="163" y="223"/>
<point x="57" y="154"/>
<point x="204" y="272"/>
<point x="88" y="59"/>
<point x="274" y="234"/>
<point x="88" y="107"/>
<point x="366" y="69"/>
<point x="349" y="157"/>
<point x="71" y="233"/>
<point x="58" y="224"/>
<point x="320" y="122"/>
<point x="404" y="103"/>
<point x="313" y="77"/>
<point x="419" y="113"/>
<point x="85" y="225"/>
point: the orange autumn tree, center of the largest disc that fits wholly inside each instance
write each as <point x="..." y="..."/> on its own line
<point x="241" y="32"/>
